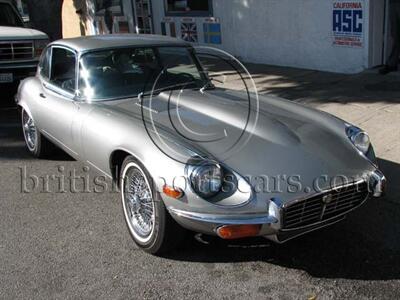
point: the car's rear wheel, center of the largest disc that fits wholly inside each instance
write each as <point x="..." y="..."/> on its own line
<point x="149" y="223"/>
<point x="36" y="143"/>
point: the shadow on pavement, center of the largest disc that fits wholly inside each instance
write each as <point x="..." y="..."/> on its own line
<point x="365" y="246"/>
<point x="12" y="144"/>
<point x="320" y="87"/>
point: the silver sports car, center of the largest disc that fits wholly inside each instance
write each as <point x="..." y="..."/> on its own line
<point x="188" y="155"/>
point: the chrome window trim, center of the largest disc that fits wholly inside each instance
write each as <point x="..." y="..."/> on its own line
<point x="47" y="84"/>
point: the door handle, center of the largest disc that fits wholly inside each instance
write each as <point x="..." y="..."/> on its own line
<point x="42" y="95"/>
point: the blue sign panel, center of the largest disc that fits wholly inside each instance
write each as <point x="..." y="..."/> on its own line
<point x="348" y="23"/>
<point x="212" y="33"/>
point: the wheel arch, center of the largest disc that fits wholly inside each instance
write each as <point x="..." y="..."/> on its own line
<point x="117" y="158"/>
<point x="23" y="106"/>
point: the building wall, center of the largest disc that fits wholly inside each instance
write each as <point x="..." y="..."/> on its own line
<point x="282" y="32"/>
<point x="73" y="25"/>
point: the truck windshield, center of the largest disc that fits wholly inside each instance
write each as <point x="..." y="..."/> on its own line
<point x="127" y="72"/>
<point x="8" y="16"/>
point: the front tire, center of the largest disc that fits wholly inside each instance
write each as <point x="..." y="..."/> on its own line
<point x="36" y="143"/>
<point x="149" y="223"/>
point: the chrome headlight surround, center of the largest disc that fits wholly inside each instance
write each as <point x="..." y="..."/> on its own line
<point x="205" y="177"/>
<point x="361" y="141"/>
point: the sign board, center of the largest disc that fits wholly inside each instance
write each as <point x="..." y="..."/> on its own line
<point x="211" y="20"/>
<point x="189" y="32"/>
<point x="348" y="23"/>
<point x="188" y="20"/>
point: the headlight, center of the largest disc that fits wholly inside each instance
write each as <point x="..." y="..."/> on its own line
<point x="205" y="178"/>
<point x="359" y="138"/>
<point x="39" y="46"/>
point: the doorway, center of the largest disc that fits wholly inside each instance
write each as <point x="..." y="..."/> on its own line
<point x="378" y="28"/>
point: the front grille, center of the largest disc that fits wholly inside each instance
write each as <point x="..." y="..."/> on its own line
<point x="324" y="206"/>
<point x="19" y="50"/>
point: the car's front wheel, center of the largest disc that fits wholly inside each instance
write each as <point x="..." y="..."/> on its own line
<point x="149" y="223"/>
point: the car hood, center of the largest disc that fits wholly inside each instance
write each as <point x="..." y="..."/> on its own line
<point x="272" y="138"/>
<point x="8" y="33"/>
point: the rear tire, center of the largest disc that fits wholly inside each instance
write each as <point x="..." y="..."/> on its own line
<point x="38" y="145"/>
<point x="148" y="221"/>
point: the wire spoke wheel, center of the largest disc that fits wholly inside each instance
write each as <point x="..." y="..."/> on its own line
<point x="138" y="203"/>
<point x="29" y="129"/>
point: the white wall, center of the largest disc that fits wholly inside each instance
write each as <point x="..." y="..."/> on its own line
<point x="296" y="33"/>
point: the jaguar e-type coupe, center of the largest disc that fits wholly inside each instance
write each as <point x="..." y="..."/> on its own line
<point x="188" y="155"/>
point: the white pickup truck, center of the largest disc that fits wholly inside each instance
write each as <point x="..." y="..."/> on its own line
<point x="20" y="47"/>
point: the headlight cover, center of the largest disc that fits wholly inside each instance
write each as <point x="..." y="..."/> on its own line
<point x="205" y="178"/>
<point x="361" y="141"/>
<point x="359" y="138"/>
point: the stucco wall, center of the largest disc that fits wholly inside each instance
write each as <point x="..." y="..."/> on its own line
<point x="288" y="33"/>
<point x="283" y="32"/>
<point x="73" y="25"/>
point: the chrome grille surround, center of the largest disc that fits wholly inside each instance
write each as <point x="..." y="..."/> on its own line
<point x="16" y="50"/>
<point x="324" y="206"/>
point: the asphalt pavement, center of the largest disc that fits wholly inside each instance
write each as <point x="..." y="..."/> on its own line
<point x="70" y="241"/>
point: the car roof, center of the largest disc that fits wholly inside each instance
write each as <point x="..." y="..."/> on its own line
<point x="95" y="42"/>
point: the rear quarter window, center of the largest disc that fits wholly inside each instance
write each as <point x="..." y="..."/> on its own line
<point x="44" y="64"/>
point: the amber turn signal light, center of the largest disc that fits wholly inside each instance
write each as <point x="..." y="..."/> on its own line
<point x="230" y="232"/>
<point x="172" y="192"/>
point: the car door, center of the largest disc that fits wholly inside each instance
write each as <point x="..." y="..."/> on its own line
<point x="58" y="108"/>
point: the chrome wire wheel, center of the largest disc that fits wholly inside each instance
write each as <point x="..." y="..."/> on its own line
<point x="137" y="200"/>
<point x="29" y="129"/>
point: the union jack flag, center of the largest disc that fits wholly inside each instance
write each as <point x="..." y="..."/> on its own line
<point x="189" y="32"/>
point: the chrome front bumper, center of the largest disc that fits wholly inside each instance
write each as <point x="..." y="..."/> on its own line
<point x="271" y="222"/>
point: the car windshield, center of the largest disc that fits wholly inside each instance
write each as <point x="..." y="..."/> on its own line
<point x="8" y="16"/>
<point x="128" y="72"/>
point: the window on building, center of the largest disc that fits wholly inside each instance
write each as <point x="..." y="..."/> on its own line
<point x="22" y="6"/>
<point x="63" y="69"/>
<point x="8" y="16"/>
<point x="113" y="6"/>
<point x="188" y="7"/>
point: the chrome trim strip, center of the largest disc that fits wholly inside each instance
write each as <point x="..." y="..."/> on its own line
<point x="57" y="141"/>
<point x="224" y="219"/>
<point x="18" y="66"/>
<point x="379" y="184"/>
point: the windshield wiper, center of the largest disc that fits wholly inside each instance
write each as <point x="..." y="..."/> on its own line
<point x="163" y="89"/>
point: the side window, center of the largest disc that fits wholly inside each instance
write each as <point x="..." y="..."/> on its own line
<point x="44" y="65"/>
<point x="63" y="69"/>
